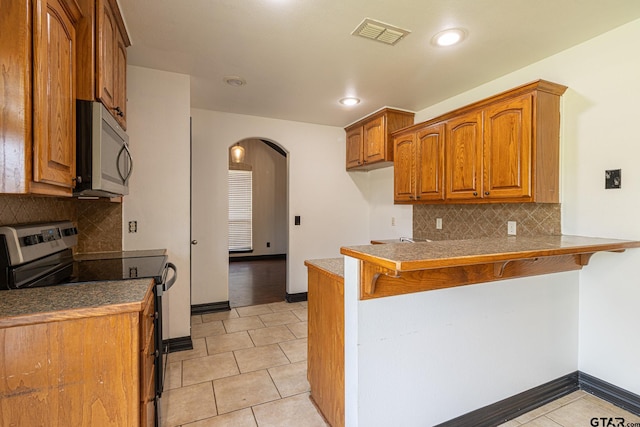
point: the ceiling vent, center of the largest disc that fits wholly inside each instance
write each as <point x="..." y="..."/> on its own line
<point x="379" y="31"/>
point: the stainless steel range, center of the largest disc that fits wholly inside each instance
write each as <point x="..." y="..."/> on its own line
<point x="34" y="255"/>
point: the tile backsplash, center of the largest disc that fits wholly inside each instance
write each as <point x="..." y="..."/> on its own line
<point x="490" y="220"/>
<point x="99" y="221"/>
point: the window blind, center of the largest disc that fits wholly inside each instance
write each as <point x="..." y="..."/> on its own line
<point x="240" y="210"/>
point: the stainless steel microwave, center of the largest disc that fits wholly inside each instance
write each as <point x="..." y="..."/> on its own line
<point x="103" y="160"/>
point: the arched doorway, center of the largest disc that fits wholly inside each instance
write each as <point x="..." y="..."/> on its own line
<point x="258" y="232"/>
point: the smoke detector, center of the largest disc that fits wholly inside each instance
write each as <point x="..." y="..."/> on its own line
<point x="379" y="31"/>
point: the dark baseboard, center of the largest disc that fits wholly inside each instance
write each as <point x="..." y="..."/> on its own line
<point x="609" y="392"/>
<point x="212" y="307"/>
<point x="178" y="344"/>
<point x="514" y="406"/>
<point x="257" y="257"/>
<point x="299" y="297"/>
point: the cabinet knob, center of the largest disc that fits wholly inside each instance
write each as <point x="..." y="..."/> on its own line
<point x="475" y="193"/>
<point x="486" y="193"/>
<point x="119" y="112"/>
<point x="194" y="242"/>
<point x="417" y="197"/>
<point x="411" y="197"/>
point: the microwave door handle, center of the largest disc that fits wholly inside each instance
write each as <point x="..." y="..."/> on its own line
<point x="123" y="149"/>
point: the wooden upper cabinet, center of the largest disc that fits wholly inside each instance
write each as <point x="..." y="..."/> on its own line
<point x="37" y="140"/>
<point x="373" y="134"/>
<point x="464" y="156"/>
<point x="354" y="148"/>
<point x="502" y="149"/>
<point x="105" y="60"/>
<point x="419" y="164"/>
<point x="369" y="142"/>
<point x="430" y="163"/>
<point x="102" y="60"/>
<point x="404" y="154"/>
<point x="54" y="132"/>
<point x="507" y="148"/>
<point x="121" y="81"/>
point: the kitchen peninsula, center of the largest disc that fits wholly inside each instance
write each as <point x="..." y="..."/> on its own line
<point x="416" y="357"/>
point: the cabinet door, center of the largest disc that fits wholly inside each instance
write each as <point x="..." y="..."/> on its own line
<point x="430" y="163"/>
<point x="374" y="137"/>
<point x="507" y="148"/>
<point x="54" y="133"/>
<point x="464" y="157"/>
<point x="120" y="77"/>
<point x="106" y="33"/>
<point x="354" y="148"/>
<point x="404" y="149"/>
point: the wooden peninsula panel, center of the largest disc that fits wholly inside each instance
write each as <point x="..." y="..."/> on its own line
<point x="395" y="269"/>
<point x="325" y="361"/>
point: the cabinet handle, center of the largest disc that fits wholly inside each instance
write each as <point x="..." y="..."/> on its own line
<point x="475" y="193"/>
<point x="486" y="193"/>
<point x="417" y="197"/>
<point x="411" y="197"/>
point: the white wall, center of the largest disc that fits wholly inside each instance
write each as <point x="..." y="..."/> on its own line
<point x="424" y="358"/>
<point x="382" y="209"/>
<point x="332" y="204"/>
<point x="158" y="127"/>
<point x="599" y="119"/>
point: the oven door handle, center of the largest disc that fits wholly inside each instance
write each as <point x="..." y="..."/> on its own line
<point x="169" y="283"/>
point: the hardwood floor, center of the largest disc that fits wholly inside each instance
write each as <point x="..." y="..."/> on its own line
<point x="257" y="282"/>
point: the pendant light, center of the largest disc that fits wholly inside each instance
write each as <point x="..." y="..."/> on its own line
<point x="237" y="153"/>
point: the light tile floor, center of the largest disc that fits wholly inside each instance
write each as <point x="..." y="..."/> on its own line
<point x="576" y="410"/>
<point x="248" y="367"/>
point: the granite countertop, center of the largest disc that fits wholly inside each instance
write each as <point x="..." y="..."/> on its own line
<point x="334" y="266"/>
<point x="71" y="301"/>
<point x="447" y="253"/>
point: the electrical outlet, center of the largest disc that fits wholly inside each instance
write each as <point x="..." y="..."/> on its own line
<point x="133" y="226"/>
<point x="393" y="221"/>
<point x="511" y="228"/>
<point x="438" y="223"/>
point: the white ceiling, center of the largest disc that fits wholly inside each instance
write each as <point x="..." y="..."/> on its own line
<point x="299" y="57"/>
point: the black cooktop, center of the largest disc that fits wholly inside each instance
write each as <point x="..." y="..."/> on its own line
<point x="120" y="268"/>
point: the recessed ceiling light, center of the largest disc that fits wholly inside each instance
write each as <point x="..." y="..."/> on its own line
<point x="448" y="37"/>
<point x="349" y="101"/>
<point x="234" y="81"/>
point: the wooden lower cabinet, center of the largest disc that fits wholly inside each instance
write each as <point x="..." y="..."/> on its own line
<point x="325" y="369"/>
<point x="147" y="363"/>
<point x="81" y="371"/>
